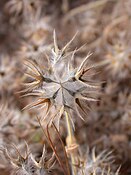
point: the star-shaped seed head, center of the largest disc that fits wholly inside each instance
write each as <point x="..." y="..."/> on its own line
<point x="60" y="86"/>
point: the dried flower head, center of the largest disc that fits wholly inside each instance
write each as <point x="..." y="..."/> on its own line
<point x="97" y="165"/>
<point x="35" y="34"/>
<point x="37" y="28"/>
<point x="119" y="61"/>
<point x="7" y="70"/>
<point x="27" y="165"/>
<point x="21" y="8"/>
<point x="60" y="86"/>
<point x="31" y="50"/>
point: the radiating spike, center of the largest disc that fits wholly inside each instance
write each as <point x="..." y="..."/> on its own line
<point x="88" y="99"/>
<point x="33" y="66"/>
<point x="56" y="49"/>
<point x="42" y="159"/>
<point x="27" y="149"/>
<point x="31" y="94"/>
<point x="79" y="114"/>
<point x="18" y="152"/>
<point x="93" y="154"/>
<point x="84" y="61"/>
<point x="79" y="104"/>
<point x="37" y="103"/>
<point x="67" y="45"/>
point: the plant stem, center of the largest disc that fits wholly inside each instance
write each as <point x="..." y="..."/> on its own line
<point x="71" y="141"/>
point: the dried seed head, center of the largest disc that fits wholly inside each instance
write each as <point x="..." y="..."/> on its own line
<point x="35" y="34"/>
<point x="21" y="9"/>
<point x="119" y="61"/>
<point x="60" y="86"/>
<point x="7" y="70"/>
<point x="27" y="164"/>
<point x="37" y="30"/>
<point x="97" y="165"/>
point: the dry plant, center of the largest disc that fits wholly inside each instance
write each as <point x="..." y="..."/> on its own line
<point x="67" y="107"/>
<point x="60" y="88"/>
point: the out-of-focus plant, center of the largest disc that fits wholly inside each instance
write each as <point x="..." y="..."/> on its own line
<point x="96" y="165"/>
<point x="119" y="61"/>
<point x="26" y="164"/>
<point x="21" y="9"/>
<point x="7" y="73"/>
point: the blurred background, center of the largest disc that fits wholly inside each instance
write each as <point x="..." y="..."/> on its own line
<point x="104" y="26"/>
